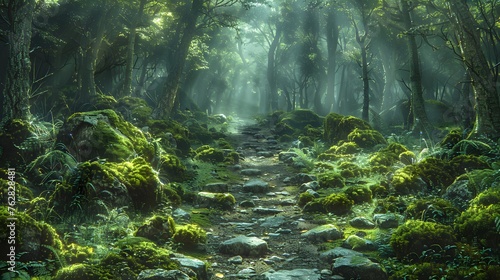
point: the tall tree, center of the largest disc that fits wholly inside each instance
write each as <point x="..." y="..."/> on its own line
<point x="487" y="106"/>
<point x="332" y="37"/>
<point x="18" y="16"/>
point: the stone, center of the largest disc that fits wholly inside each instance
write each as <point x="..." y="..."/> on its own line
<point x="338" y="252"/>
<point x="215" y="200"/>
<point x="358" y="267"/>
<point x="300" y="178"/>
<point x="247" y="203"/>
<point x="386" y="220"/>
<point x="266" y="211"/>
<point x="284" y="230"/>
<point x="247" y="271"/>
<point x="302" y="274"/>
<point x="362" y="223"/>
<point x="199" y="267"/>
<point x="266" y="154"/>
<point x="162" y="274"/>
<point x="181" y="215"/>
<point x="245" y="246"/>
<point x="273" y="222"/>
<point x="323" y="233"/>
<point x="287" y="157"/>
<point x="219" y="187"/>
<point x="251" y="172"/>
<point x="313" y="185"/>
<point x="236" y="260"/>
<point x="256" y="186"/>
<point x="357" y="243"/>
<point x="313" y="193"/>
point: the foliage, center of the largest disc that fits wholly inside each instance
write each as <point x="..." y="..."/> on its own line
<point x="209" y="154"/>
<point x="366" y="138"/>
<point x="337" y="203"/>
<point x="189" y="235"/>
<point x="435" y="210"/>
<point x="331" y="180"/>
<point x="337" y="127"/>
<point x="477" y="223"/>
<point x="359" y="194"/>
<point x="305" y="198"/>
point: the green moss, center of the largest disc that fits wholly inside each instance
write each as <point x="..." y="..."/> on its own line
<point x="412" y="238"/>
<point x="208" y="154"/>
<point x="157" y="228"/>
<point x="331" y="180"/>
<point x="466" y="163"/>
<point x="350" y="170"/>
<point x="424" y="270"/>
<point x="80" y="272"/>
<point x="359" y="194"/>
<point x="390" y="204"/>
<point x="337" y="127"/>
<point x="451" y="139"/>
<point x="12" y="135"/>
<point x="479" y="180"/>
<point x="299" y="119"/>
<point x="477" y="224"/>
<point x="136" y="109"/>
<point x="366" y="138"/>
<point x="189" y="235"/>
<point x="36" y="240"/>
<point x="407" y="157"/>
<point x="74" y="253"/>
<point x="304" y="198"/>
<point x="436" y="210"/>
<point x="314" y="206"/>
<point x="172" y="167"/>
<point x="488" y="197"/>
<point x="224" y="201"/>
<point x="337" y="203"/>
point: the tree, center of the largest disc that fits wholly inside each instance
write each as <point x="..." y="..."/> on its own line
<point x="332" y="37"/>
<point x="487" y="106"/>
<point x="18" y="16"/>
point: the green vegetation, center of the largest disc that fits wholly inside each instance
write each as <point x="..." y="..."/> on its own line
<point x="189" y="235"/>
<point x="337" y="203"/>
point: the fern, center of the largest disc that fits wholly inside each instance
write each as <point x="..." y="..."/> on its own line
<point x="497" y="224"/>
<point x="303" y="158"/>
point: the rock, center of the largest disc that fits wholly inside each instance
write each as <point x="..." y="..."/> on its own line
<point x="287" y="157"/>
<point x="357" y="243"/>
<point x="323" y="233"/>
<point x="247" y="271"/>
<point x="236" y="260"/>
<point x="302" y="274"/>
<point x="251" y="172"/>
<point x="361" y="222"/>
<point x="256" y="186"/>
<point x="266" y="211"/>
<point x="219" y="187"/>
<point x="459" y="194"/>
<point x="287" y="202"/>
<point x="284" y="230"/>
<point x="162" y="274"/>
<point x="338" y="252"/>
<point x="245" y="246"/>
<point x="199" y="267"/>
<point x="313" y="185"/>
<point x="313" y="193"/>
<point x="299" y="179"/>
<point x="247" y="203"/>
<point x="357" y="267"/>
<point x="181" y="215"/>
<point x="273" y="222"/>
<point x="386" y="220"/>
<point x="266" y="154"/>
<point x="224" y="201"/>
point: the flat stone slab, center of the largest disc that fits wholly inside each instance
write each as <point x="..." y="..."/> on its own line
<point x="244" y="246"/>
<point x="266" y="211"/>
<point x="323" y="233"/>
<point x="157" y="274"/>
<point x="198" y="266"/>
<point x="251" y="172"/>
<point x="338" y="252"/>
<point x="219" y="187"/>
<point x="357" y="267"/>
<point x="256" y="186"/>
<point x="387" y="220"/>
<point x="295" y="274"/>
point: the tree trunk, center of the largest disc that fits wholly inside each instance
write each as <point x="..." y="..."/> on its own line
<point x="420" y="121"/>
<point x="166" y="104"/>
<point x="127" y="85"/>
<point x="487" y="121"/>
<point x="332" y="37"/>
<point x="366" y="84"/>
<point x="271" y="69"/>
<point x="17" y="83"/>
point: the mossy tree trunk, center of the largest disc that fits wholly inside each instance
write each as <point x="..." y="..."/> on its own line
<point x="271" y="68"/>
<point x="487" y="106"/>
<point x="420" y="120"/>
<point x="332" y="38"/>
<point x="17" y="89"/>
<point x="361" y="39"/>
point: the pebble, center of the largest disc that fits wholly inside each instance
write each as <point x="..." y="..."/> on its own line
<point x="236" y="260"/>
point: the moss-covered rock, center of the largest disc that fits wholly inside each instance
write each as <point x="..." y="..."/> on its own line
<point x="366" y="138"/>
<point x="223" y="201"/>
<point x="477" y="224"/>
<point x="34" y="240"/>
<point x="331" y="180"/>
<point x="337" y="127"/>
<point x="172" y="167"/>
<point x="82" y="271"/>
<point x="134" y="110"/>
<point x="359" y="194"/>
<point x="209" y="154"/>
<point x="343" y="150"/>
<point x="350" y="170"/>
<point x="103" y="134"/>
<point x="157" y="228"/>
<point x="412" y="238"/>
<point x="74" y="253"/>
<point x="189" y="235"/>
<point x="451" y="139"/>
<point x="337" y="203"/>
<point x="435" y="210"/>
<point x="305" y="198"/>
<point x="466" y="163"/>
<point x="300" y="118"/>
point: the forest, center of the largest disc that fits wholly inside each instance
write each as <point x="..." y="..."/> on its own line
<point x="250" y="139"/>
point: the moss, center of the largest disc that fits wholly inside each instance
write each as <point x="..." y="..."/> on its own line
<point x="224" y="201"/>
<point x="336" y="152"/>
<point x="36" y="240"/>
<point x="198" y="132"/>
<point x="172" y="167"/>
<point x="338" y="204"/>
<point x="436" y="210"/>
<point x="424" y="270"/>
<point x="135" y="109"/>
<point x="208" y="154"/>
<point x="74" y="253"/>
<point x="350" y="170"/>
<point x="412" y="238"/>
<point x="23" y="194"/>
<point x="232" y="158"/>
<point x="299" y="119"/>
<point x="407" y="157"/>
<point x="189" y="235"/>
<point x="172" y="196"/>
<point x="382" y="160"/>
<point x="466" y="163"/>
<point x="157" y="228"/>
<point x="304" y="198"/>
<point x="366" y="138"/>
<point x="314" y="206"/>
<point x="331" y="180"/>
<point x="488" y="197"/>
<point x="451" y="139"/>
<point x="12" y="135"/>
<point x="359" y="194"/>
<point x="479" y="180"/>
<point x="223" y="144"/>
<point x="80" y="272"/>
<point x="477" y="224"/>
<point x="337" y="127"/>
<point x="391" y="204"/>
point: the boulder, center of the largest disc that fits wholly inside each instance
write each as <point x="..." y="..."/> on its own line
<point x="162" y="274"/>
<point x="300" y="273"/>
<point x="323" y="233"/>
<point x="256" y="186"/>
<point x="244" y="246"/>
<point x="358" y="267"/>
